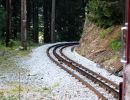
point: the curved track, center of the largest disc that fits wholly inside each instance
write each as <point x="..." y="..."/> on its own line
<point x="80" y="72"/>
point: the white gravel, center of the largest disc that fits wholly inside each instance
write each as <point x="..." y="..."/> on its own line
<point x="46" y="81"/>
<point x="91" y="65"/>
<point x="41" y="79"/>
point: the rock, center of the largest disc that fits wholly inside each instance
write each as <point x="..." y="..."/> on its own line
<point x="20" y="48"/>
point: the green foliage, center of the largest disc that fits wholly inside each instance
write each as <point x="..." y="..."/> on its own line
<point x="13" y="43"/>
<point x="115" y="44"/>
<point x="103" y="33"/>
<point x="104" y="13"/>
<point x="14" y="50"/>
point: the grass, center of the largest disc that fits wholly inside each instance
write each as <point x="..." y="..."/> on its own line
<point x="11" y="94"/>
<point x="115" y="44"/>
<point x="115" y="58"/>
<point x="48" y="90"/>
<point x="12" y="97"/>
<point x="104" y="32"/>
<point x="13" y="49"/>
<point x="8" y="53"/>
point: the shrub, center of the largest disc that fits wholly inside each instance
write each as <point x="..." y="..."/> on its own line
<point x="115" y="44"/>
<point x="104" y="13"/>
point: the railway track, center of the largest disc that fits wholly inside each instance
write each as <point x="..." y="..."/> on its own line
<point x="55" y="53"/>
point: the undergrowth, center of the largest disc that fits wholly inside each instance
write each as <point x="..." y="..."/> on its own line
<point x="104" y="32"/>
<point x="115" y="44"/>
<point x="8" y="53"/>
<point x="14" y="50"/>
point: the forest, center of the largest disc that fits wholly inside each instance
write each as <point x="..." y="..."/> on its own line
<point x="41" y="39"/>
<point x="62" y="20"/>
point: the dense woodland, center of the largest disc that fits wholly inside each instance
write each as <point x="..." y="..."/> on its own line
<point x="27" y="20"/>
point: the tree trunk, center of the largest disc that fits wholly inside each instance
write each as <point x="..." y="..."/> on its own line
<point x="29" y="19"/>
<point x="47" y="21"/>
<point x="35" y="22"/>
<point x="53" y="21"/>
<point x="8" y="22"/>
<point x="23" y="25"/>
<point x="46" y="34"/>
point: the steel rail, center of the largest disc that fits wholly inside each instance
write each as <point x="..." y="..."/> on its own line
<point x="86" y="69"/>
<point x="86" y="73"/>
<point x="101" y="97"/>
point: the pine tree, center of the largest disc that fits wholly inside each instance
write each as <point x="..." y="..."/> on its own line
<point x="23" y="25"/>
<point x="8" y="22"/>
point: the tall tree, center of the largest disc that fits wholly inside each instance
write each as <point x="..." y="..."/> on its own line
<point x="105" y="13"/>
<point x="70" y="18"/>
<point x="29" y="18"/>
<point x="47" y="20"/>
<point x="53" y="21"/>
<point x="2" y="23"/>
<point x="8" y="21"/>
<point x="35" y="21"/>
<point x="16" y="19"/>
<point x="23" y="25"/>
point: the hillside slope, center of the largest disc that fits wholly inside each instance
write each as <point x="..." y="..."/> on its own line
<point x="101" y="45"/>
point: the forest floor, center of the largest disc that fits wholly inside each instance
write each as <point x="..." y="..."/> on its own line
<point x="36" y="77"/>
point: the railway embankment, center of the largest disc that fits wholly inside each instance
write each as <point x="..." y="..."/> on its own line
<point x="101" y="46"/>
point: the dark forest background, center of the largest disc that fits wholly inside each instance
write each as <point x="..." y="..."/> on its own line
<point x="25" y="21"/>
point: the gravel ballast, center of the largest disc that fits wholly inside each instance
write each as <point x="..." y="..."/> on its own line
<point x="44" y="80"/>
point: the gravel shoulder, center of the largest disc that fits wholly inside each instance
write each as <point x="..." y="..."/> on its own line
<point x="38" y="78"/>
<point x="91" y="65"/>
